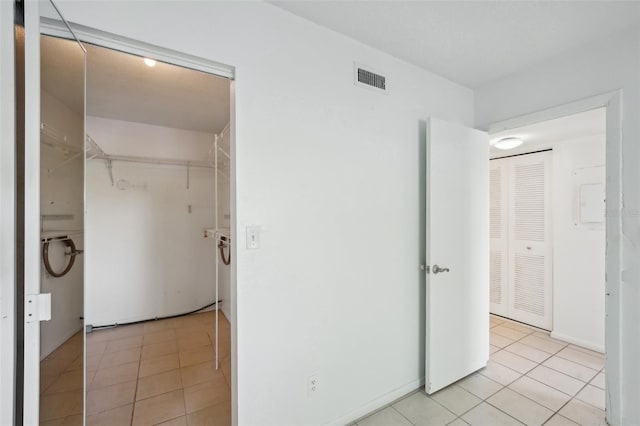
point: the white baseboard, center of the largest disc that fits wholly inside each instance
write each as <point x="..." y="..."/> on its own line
<point x="578" y="342"/>
<point x="378" y="403"/>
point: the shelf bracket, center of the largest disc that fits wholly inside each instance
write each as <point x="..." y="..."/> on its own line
<point x="110" y="169"/>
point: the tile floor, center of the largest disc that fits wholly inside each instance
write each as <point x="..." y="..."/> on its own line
<point x="157" y="373"/>
<point x="531" y="379"/>
<point x="61" y="380"/>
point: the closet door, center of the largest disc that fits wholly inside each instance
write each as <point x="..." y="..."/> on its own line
<point x="498" y="232"/>
<point x="530" y="257"/>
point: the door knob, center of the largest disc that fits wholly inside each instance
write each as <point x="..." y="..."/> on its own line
<point x="436" y="269"/>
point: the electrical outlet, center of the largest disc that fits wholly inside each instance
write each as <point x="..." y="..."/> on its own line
<point x="313" y="384"/>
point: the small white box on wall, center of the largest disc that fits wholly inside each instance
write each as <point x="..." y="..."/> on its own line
<point x="589" y="192"/>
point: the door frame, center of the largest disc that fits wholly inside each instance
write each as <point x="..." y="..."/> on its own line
<point x="612" y="101"/>
<point x="32" y="154"/>
<point x="7" y="213"/>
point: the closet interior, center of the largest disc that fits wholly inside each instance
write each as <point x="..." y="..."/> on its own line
<point x="136" y="205"/>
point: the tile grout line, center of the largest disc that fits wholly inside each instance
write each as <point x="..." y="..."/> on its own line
<point x="135" y="392"/>
<point x="557" y="412"/>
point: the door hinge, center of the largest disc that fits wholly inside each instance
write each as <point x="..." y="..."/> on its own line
<point x="37" y="307"/>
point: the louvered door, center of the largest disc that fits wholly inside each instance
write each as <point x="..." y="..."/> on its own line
<point x="520" y="231"/>
<point x="529" y="246"/>
<point x="498" y="231"/>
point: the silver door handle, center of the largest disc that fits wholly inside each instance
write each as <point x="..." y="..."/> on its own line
<point x="436" y="269"/>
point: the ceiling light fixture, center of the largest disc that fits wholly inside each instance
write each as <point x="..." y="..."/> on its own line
<point x="508" y="143"/>
<point x="150" y="62"/>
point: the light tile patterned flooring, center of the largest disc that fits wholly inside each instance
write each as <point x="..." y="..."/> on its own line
<point x="530" y="379"/>
<point x="157" y="373"/>
<point x="61" y="379"/>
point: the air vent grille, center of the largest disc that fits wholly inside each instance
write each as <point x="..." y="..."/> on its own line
<point x="371" y="79"/>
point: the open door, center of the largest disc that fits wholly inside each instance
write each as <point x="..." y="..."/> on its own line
<point x="457" y="253"/>
<point x="53" y="209"/>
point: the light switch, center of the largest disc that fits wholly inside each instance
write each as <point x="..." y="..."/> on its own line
<point x="253" y="237"/>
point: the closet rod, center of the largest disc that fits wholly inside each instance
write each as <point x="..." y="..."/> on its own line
<point x="158" y="161"/>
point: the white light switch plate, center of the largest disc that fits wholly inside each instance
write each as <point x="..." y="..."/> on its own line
<point x="253" y="237"/>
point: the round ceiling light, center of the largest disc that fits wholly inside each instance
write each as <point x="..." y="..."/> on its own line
<point x="150" y="62"/>
<point x="508" y="143"/>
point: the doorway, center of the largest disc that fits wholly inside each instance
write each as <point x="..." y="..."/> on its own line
<point x="172" y="179"/>
<point x="158" y="208"/>
<point x="547" y="225"/>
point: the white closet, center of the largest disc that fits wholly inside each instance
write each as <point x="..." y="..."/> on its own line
<point x="520" y="231"/>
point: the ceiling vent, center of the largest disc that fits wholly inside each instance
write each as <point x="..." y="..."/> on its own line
<point x="367" y="78"/>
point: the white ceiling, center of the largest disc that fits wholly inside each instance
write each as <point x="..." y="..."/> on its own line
<point x="120" y="86"/>
<point x="471" y="42"/>
<point x="545" y="134"/>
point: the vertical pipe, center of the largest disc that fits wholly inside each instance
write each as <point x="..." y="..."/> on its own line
<point x="215" y="192"/>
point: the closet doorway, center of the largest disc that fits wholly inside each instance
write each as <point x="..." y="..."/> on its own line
<point x="158" y="241"/>
<point x="547" y="267"/>
<point x="520" y="238"/>
<point x="547" y="212"/>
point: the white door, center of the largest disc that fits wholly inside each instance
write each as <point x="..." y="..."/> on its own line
<point x="498" y="231"/>
<point x="530" y="249"/>
<point x="457" y="238"/>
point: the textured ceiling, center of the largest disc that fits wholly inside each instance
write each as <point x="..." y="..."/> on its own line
<point x="120" y="86"/>
<point x="471" y="42"/>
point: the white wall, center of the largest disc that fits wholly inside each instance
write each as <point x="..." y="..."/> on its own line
<point x="610" y="64"/>
<point x="146" y="253"/>
<point x="332" y="174"/>
<point x="118" y="137"/>
<point x="62" y="193"/>
<point x="578" y="252"/>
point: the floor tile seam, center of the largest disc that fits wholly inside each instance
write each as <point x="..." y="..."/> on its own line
<point x="515" y="354"/>
<point x="585" y="402"/>
<point x="488" y="378"/>
<point x="541" y="382"/>
<point x="562" y="372"/>
<point x="398" y="411"/>
<point x="526" y="397"/>
<point x="579" y="363"/>
<point x="590" y="352"/>
<point x="135" y="393"/>
<point x="395" y="401"/>
<point x="517" y="331"/>
<point x="503" y="412"/>
<point x="551" y="409"/>
<point x="164" y="372"/>
<point x="168" y="420"/>
<point x="184" y="394"/>
<point x="574" y="398"/>
<point x="471" y="408"/>
<point x="510" y="368"/>
<point x="543" y="350"/>
<point x="132" y="403"/>
<point x="155" y="396"/>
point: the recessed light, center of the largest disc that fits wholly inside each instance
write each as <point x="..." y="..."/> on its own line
<point x="507" y="143"/>
<point x="150" y="62"/>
